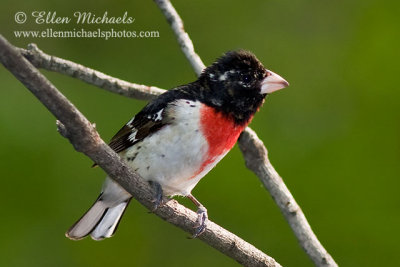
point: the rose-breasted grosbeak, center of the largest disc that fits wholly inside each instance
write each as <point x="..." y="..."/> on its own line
<point x="181" y="135"/>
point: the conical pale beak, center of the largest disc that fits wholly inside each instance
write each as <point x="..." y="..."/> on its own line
<point x="272" y="82"/>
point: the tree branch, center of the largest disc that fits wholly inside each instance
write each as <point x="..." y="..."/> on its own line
<point x="42" y="60"/>
<point x="181" y="35"/>
<point x="256" y="157"/>
<point x="247" y="143"/>
<point x="84" y="137"/>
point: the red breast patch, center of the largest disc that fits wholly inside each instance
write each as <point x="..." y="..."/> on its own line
<point x="220" y="132"/>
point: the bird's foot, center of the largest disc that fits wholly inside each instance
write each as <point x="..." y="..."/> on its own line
<point x="202" y="218"/>
<point x="158" y="195"/>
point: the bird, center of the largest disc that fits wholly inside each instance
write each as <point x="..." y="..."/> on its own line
<point x="179" y="136"/>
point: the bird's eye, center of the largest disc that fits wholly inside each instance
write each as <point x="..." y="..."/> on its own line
<point x="246" y="78"/>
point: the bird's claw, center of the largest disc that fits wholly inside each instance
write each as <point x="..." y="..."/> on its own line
<point x="158" y="195"/>
<point x="158" y="202"/>
<point x="202" y="218"/>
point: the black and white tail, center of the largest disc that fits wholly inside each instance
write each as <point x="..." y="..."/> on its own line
<point x="102" y="219"/>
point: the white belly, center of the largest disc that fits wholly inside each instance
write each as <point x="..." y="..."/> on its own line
<point x="171" y="156"/>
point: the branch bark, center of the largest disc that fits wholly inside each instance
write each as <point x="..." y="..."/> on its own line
<point x="84" y="137"/>
<point x="181" y="35"/>
<point x="42" y="60"/>
<point x="256" y="157"/>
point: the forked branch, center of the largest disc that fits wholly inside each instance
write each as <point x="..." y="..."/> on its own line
<point x="84" y="137"/>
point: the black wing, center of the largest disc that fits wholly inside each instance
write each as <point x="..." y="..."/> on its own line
<point x="136" y="130"/>
<point x="142" y="125"/>
<point x="152" y="117"/>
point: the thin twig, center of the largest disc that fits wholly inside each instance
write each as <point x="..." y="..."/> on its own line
<point x="181" y="35"/>
<point x="254" y="151"/>
<point x="84" y="137"/>
<point x="256" y="157"/>
<point x="42" y="60"/>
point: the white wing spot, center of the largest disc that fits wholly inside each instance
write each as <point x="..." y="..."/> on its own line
<point x="223" y="77"/>
<point x="132" y="137"/>
<point x="130" y="122"/>
<point x="158" y="115"/>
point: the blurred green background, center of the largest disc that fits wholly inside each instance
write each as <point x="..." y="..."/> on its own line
<point x="333" y="135"/>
